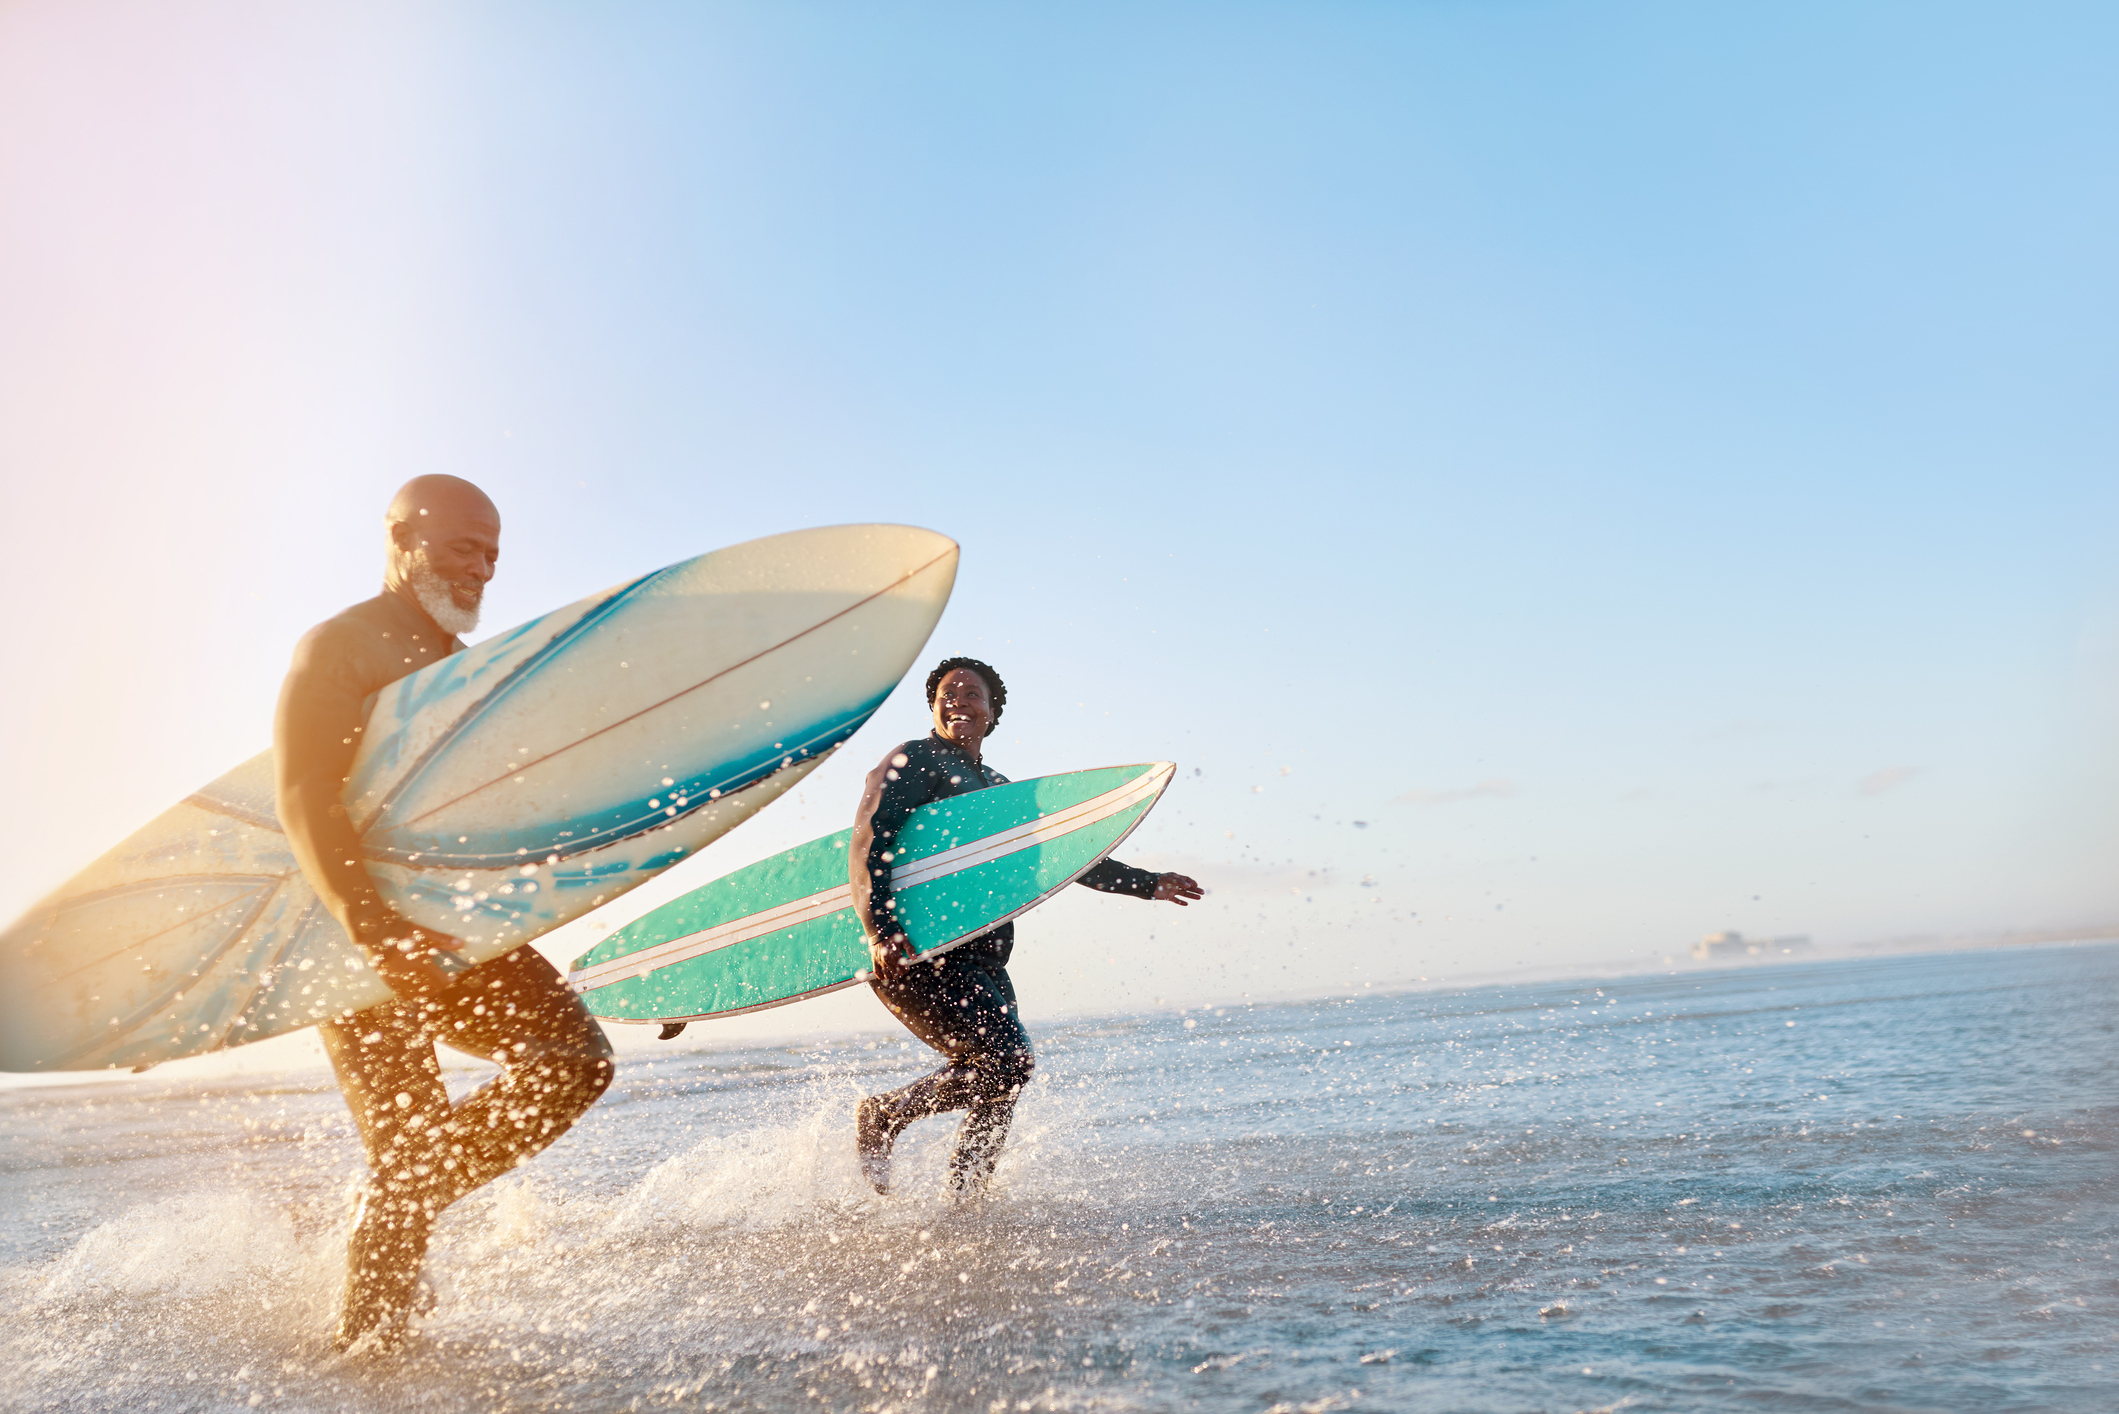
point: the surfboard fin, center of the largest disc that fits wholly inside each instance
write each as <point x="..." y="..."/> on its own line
<point x="670" y="1030"/>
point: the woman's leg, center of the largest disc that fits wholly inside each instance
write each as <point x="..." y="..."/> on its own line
<point x="963" y="1005"/>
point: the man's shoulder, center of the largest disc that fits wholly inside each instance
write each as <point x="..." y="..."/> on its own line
<point x="370" y="618"/>
<point x="384" y="635"/>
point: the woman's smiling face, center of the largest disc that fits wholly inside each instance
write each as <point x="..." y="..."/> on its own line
<point x="963" y="709"/>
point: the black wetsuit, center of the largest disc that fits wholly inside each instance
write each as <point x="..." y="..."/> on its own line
<point x="514" y="1010"/>
<point x="962" y="1002"/>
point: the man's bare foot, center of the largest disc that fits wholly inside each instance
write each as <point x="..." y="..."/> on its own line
<point x="383" y="1255"/>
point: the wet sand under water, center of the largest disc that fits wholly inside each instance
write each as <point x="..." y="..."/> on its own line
<point x="1869" y="1185"/>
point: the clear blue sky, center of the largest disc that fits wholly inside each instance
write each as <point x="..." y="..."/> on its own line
<point x="1653" y="464"/>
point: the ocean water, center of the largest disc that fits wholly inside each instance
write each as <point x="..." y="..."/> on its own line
<point x="1859" y="1185"/>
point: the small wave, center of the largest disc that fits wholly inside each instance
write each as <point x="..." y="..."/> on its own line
<point x="754" y="1180"/>
<point x="196" y="1244"/>
<point x="518" y="1215"/>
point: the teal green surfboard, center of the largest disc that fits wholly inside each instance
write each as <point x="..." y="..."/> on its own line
<point x="784" y="928"/>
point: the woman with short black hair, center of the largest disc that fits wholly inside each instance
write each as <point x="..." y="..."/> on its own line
<point x="962" y="1002"/>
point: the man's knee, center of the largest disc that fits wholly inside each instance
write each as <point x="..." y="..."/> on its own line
<point x="572" y="1081"/>
<point x="597" y="1072"/>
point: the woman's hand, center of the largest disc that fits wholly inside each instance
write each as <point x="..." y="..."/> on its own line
<point x="1180" y="889"/>
<point x="892" y="955"/>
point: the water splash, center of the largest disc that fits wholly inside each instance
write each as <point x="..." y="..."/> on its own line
<point x="198" y="1244"/>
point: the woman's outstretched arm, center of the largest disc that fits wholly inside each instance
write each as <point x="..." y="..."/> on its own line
<point x="1113" y="877"/>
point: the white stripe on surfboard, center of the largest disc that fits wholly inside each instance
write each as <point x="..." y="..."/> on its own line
<point x="985" y="849"/>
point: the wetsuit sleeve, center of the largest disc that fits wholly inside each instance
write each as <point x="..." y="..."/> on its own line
<point x="903" y="783"/>
<point x="1113" y="877"/>
<point x="314" y="735"/>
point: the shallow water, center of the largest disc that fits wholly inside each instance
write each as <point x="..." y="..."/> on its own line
<point x="1870" y="1185"/>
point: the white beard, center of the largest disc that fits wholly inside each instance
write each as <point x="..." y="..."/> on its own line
<point x="434" y="596"/>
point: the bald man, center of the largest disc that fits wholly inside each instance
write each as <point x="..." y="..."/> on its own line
<point x="516" y="1010"/>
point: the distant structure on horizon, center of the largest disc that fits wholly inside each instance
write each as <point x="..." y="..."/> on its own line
<point x="1731" y="944"/>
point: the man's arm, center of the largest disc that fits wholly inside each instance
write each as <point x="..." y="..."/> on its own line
<point x="315" y="733"/>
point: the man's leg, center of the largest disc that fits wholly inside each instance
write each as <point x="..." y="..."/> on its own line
<point x="963" y="1005"/>
<point x="554" y="1062"/>
<point x="387" y="1071"/>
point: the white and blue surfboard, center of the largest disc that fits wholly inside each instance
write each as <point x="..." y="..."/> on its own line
<point x="499" y="793"/>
